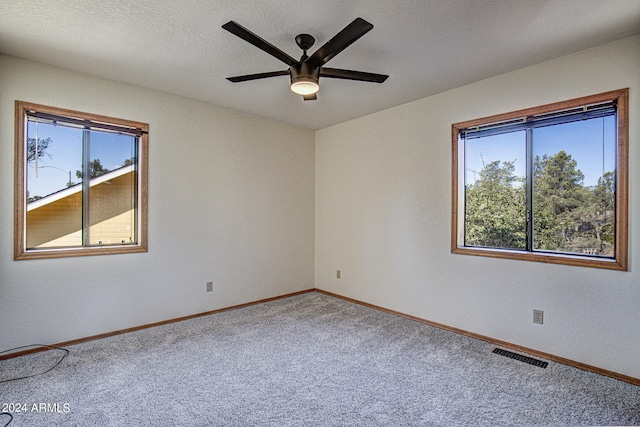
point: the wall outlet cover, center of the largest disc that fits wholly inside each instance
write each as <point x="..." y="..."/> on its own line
<point x="538" y="316"/>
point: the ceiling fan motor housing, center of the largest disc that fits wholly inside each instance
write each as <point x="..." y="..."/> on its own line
<point x="304" y="79"/>
<point x="304" y="70"/>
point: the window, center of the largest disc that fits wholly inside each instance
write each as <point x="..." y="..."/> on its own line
<point x="81" y="184"/>
<point x="545" y="184"/>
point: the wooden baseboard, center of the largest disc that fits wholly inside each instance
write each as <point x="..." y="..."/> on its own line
<point x="515" y="347"/>
<point x="39" y="347"/>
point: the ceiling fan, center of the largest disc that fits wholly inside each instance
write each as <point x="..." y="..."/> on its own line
<point x="305" y="73"/>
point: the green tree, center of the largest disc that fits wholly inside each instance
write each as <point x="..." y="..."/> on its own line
<point x="95" y="169"/>
<point x="597" y="216"/>
<point x="559" y="198"/>
<point x="568" y="216"/>
<point x="38" y="150"/>
<point x="32" y="199"/>
<point x="495" y="208"/>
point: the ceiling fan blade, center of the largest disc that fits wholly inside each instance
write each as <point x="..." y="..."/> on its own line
<point x="257" y="76"/>
<point x="246" y="35"/>
<point x="311" y="97"/>
<point x="338" y="73"/>
<point x="349" y="34"/>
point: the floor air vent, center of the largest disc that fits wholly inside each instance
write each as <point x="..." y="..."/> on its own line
<point x="520" y="357"/>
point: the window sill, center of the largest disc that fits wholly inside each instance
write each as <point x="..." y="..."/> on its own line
<point x="87" y="251"/>
<point x="549" y="258"/>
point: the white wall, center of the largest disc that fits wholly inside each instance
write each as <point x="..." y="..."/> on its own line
<point x="383" y="209"/>
<point x="231" y="199"/>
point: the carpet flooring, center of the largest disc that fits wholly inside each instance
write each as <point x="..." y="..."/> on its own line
<point x="306" y="360"/>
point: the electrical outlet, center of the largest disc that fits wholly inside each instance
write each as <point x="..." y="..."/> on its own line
<point x="538" y="316"/>
<point x="338" y="274"/>
<point x="209" y="286"/>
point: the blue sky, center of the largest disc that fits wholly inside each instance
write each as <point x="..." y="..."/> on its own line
<point x="65" y="155"/>
<point x="583" y="140"/>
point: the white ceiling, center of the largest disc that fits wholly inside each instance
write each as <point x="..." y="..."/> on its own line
<point x="425" y="46"/>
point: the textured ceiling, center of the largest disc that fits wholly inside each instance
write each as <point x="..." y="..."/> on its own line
<point x="425" y="46"/>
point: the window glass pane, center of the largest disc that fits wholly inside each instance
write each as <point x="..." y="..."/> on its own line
<point x="495" y="199"/>
<point x="112" y="200"/>
<point x="54" y="192"/>
<point x="574" y="187"/>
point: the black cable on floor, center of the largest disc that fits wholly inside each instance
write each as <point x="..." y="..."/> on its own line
<point x="39" y="373"/>
<point x="10" y="418"/>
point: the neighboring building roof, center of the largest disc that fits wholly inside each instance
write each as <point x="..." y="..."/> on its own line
<point x="66" y="192"/>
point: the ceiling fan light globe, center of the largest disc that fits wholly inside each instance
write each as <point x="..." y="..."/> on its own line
<point x="304" y="86"/>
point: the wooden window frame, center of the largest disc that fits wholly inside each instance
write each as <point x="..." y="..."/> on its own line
<point x="620" y="260"/>
<point x="20" y="205"/>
